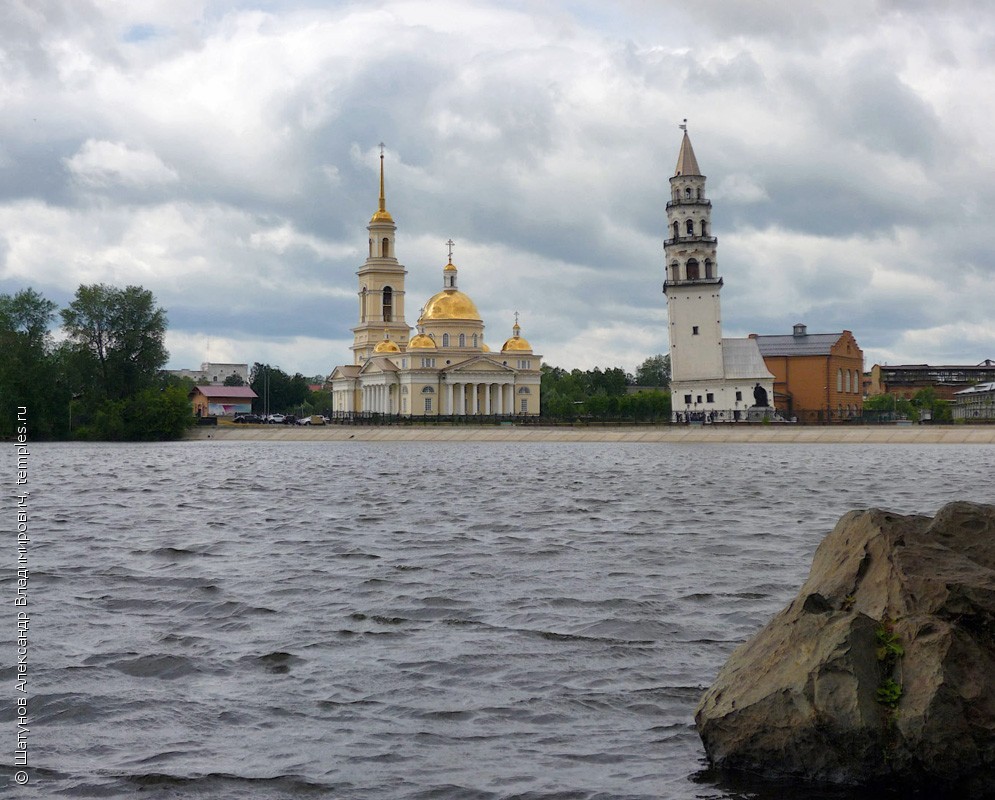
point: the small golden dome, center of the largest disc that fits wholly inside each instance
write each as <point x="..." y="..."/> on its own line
<point x="421" y="342"/>
<point x="485" y="348"/>
<point x="386" y="346"/>
<point x="450" y="267"/>
<point x="450" y="304"/>
<point x="516" y="343"/>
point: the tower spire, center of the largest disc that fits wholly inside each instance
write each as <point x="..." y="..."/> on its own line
<point x="382" y="213"/>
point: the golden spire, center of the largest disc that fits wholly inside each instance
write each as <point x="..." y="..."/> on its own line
<point x="382" y="214"/>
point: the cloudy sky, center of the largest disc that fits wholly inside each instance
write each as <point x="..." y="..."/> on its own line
<point x="224" y="155"/>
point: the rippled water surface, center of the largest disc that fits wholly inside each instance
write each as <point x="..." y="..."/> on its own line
<point x="411" y="620"/>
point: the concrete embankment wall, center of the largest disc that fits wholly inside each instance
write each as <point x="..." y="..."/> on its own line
<point x="716" y="434"/>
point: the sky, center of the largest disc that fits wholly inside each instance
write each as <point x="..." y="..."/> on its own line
<point x="225" y="156"/>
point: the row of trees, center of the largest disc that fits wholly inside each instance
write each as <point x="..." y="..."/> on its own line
<point x="604" y="394"/>
<point x="924" y="404"/>
<point x="103" y="381"/>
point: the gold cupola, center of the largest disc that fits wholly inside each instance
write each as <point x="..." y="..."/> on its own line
<point x="450" y="303"/>
<point x="516" y="342"/>
<point x="386" y="346"/>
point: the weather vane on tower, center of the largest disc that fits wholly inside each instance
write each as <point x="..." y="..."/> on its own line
<point x="684" y="126"/>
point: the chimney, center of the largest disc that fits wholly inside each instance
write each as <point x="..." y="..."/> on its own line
<point x="800" y="330"/>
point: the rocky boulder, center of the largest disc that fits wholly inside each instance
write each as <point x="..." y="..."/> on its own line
<point x="881" y="670"/>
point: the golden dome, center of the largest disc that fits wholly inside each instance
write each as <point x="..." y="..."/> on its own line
<point x="450" y="304"/>
<point x="516" y="343"/>
<point x="421" y="342"/>
<point x="485" y="348"/>
<point x="386" y="346"/>
<point x="450" y="267"/>
<point x="381" y="216"/>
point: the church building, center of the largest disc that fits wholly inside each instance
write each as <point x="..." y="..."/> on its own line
<point x="712" y="378"/>
<point x="446" y="368"/>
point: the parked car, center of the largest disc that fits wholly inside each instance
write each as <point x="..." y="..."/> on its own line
<point x="290" y="419"/>
<point x="303" y="421"/>
<point x="276" y="419"/>
<point x="247" y="419"/>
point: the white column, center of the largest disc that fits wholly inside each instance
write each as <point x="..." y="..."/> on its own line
<point x="449" y="395"/>
<point x="500" y="398"/>
<point x="487" y="398"/>
<point x="474" y="398"/>
<point x="462" y="398"/>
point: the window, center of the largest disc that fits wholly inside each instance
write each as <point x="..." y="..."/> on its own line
<point x="525" y="405"/>
<point x="675" y="271"/>
<point x="385" y="252"/>
<point x="677" y="230"/>
<point x="693" y="274"/>
<point x="404" y="405"/>
<point x="445" y="340"/>
<point x="404" y="365"/>
<point x="699" y="195"/>
<point x="687" y="193"/>
<point x="689" y="226"/>
<point x="371" y="248"/>
<point x="462" y="340"/>
<point x="687" y="399"/>
<point x="524" y="363"/>
<point x="428" y="362"/>
<point x="699" y="399"/>
<point x="388" y="303"/>
<point x="704" y="228"/>
<point x="839" y="380"/>
<point x="428" y="390"/>
<point x="362" y="305"/>
<point x="474" y="340"/>
<point x="739" y="396"/>
<point x="524" y="390"/>
<point x="428" y="404"/>
<point x="709" y="397"/>
<point x="694" y="330"/>
<point x="404" y="390"/>
<point x="848" y="380"/>
<point x="709" y="268"/>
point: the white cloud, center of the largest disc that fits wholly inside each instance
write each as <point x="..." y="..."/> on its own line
<point x="102" y="164"/>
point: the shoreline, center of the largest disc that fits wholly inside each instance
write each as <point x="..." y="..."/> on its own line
<point x="711" y="434"/>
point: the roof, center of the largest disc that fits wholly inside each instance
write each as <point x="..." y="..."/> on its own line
<point x="809" y="344"/>
<point x="741" y="359"/>
<point x="978" y="389"/>
<point x="225" y="391"/>
<point x="687" y="164"/>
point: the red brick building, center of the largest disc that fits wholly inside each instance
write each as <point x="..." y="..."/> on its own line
<point x="818" y="377"/>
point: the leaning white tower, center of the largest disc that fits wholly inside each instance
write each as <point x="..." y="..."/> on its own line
<point x="711" y="377"/>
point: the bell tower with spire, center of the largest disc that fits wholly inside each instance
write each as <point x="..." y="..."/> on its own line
<point x="693" y="284"/>
<point x="381" y="286"/>
<point x="715" y="379"/>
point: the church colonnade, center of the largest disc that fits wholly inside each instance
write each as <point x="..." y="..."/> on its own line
<point x="459" y="398"/>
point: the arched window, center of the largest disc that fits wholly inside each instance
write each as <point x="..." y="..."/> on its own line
<point x="371" y="247"/>
<point x="677" y="230"/>
<point x="385" y="250"/>
<point x="675" y="271"/>
<point x="709" y="269"/>
<point x="839" y="380"/>
<point x="388" y="303"/>
<point x="428" y="390"/>
<point x="704" y="228"/>
<point x="848" y="380"/>
<point x="462" y="340"/>
<point x="692" y="268"/>
<point x="524" y="390"/>
<point x="445" y="340"/>
<point x="475" y="340"/>
<point x="689" y="225"/>
<point x="687" y="192"/>
<point x="699" y="193"/>
<point x="362" y="305"/>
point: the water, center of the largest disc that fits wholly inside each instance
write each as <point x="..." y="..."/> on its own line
<point x="411" y="620"/>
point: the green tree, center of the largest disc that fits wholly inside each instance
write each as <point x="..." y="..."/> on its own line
<point x="234" y="380"/>
<point x="29" y="367"/>
<point x="118" y="338"/>
<point x="286" y="393"/>
<point x="654" y="371"/>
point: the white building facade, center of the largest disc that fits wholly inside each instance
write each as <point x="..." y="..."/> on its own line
<point x="712" y="379"/>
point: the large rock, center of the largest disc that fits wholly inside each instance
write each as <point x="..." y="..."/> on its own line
<point x="894" y="605"/>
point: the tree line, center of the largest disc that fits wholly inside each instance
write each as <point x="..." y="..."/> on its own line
<point x="104" y="380"/>
<point x="604" y="395"/>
